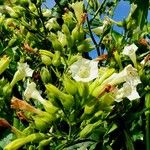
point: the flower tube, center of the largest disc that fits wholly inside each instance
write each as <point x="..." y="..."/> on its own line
<point x="22" y="72"/>
<point x="130" y="51"/>
<point x="32" y="92"/>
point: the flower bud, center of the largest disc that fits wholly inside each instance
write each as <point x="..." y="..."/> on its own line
<point x="105" y="73"/>
<point x="18" y="143"/>
<point x="77" y="33"/>
<point x="55" y="43"/>
<point x="68" y="19"/>
<point x="85" y="46"/>
<point x="70" y="85"/>
<point x="90" y="108"/>
<point x="43" y="122"/>
<point x="82" y="89"/>
<point x="45" y="75"/>
<point x="46" y="60"/>
<point x="89" y="128"/>
<point x="7" y="90"/>
<point x="52" y="24"/>
<point x="44" y="143"/>
<point x="62" y="38"/>
<point x="66" y="100"/>
<point x="4" y="63"/>
<point x="56" y="61"/>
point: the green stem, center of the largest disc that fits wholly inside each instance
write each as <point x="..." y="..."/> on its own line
<point x="98" y="10"/>
<point x="148" y="131"/>
<point x="147" y="126"/>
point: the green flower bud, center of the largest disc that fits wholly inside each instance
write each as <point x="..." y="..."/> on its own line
<point x="44" y="121"/>
<point x="44" y="143"/>
<point x="45" y="75"/>
<point x="56" y="61"/>
<point x="19" y="10"/>
<point x="105" y="73"/>
<point x="73" y="59"/>
<point x="147" y="100"/>
<point x="90" y="107"/>
<point x="12" y="42"/>
<point x="46" y="60"/>
<point x="46" y="52"/>
<point x="77" y="33"/>
<point x="4" y="63"/>
<point x="83" y="89"/>
<point x="56" y="44"/>
<point x="70" y="85"/>
<point x="7" y="90"/>
<point x="62" y="38"/>
<point x="85" y="46"/>
<point x="65" y="30"/>
<point x="32" y="7"/>
<point x="118" y="59"/>
<point x="18" y="143"/>
<point x="66" y="100"/>
<point x="87" y="130"/>
<point x="68" y="19"/>
<point x="2" y="19"/>
<point x="52" y="24"/>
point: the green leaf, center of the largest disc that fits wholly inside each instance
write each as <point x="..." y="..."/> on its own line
<point x="4" y="141"/>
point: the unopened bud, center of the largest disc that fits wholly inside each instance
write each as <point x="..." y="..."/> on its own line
<point x="45" y="75"/>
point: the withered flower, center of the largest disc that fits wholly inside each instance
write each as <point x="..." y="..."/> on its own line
<point x="22" y="105"/>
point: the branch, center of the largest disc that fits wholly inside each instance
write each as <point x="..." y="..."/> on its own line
<point x="93" y="39"/>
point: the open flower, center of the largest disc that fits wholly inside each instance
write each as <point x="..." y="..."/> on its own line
<point x="84" y="70"/>
<point x="128" y="90"/>
<point x="129" y="73"/>
<point x="22" y="72"/>
<point x="32" y="92"/>
<point x="130" y="51"/>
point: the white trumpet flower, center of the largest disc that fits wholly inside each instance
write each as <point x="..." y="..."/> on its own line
<point x="130" y="51"/>
<point x="22" y="72"/>
<point x="84" y="70"/>
<point x="128" y="74"/>
<point x="128" y="90"/>
<point x="32" y="92"/>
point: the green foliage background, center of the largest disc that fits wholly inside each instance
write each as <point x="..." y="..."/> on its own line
<point x="50" y="41"/>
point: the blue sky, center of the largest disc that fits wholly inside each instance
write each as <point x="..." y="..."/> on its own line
<point x="121" y="12"/>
